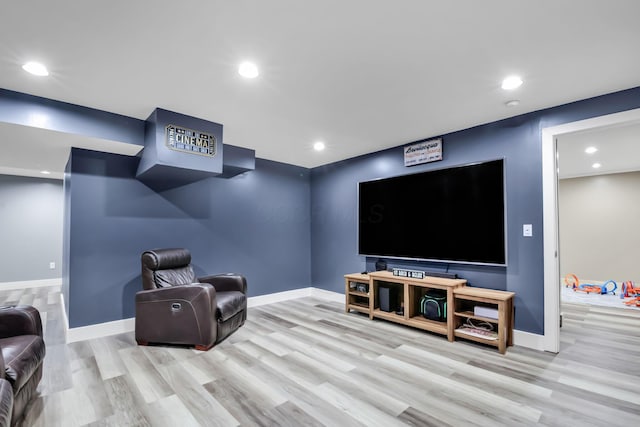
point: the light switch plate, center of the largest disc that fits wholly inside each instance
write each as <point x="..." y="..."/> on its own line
<point x="527" y="230"/>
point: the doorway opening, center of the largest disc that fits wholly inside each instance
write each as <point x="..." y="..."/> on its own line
<point x="550" y="163"/>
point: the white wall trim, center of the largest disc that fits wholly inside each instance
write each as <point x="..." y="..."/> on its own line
<point x="65" y="319"/>
<point x="520" y="338"/>
<point x="5" y="286"/>
<point x="101" y="330"/>
<point x="328" y="295"/>
<point x="550" y="215"/>
<point x="128" y="325"/>
<point x="528" y="340"/>
<point x="278" y="297"/>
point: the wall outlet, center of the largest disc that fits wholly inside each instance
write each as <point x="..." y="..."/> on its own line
<point x="52" y="265"/>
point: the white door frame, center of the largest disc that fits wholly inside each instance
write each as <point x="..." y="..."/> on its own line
<point x="551" y="341"/>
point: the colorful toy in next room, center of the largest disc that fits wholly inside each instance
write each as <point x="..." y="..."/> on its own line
<point x="571" y="281"/>
<point x="631" y="292"/>
<point x="608" y="287"/>
<point x="628" y="290"/>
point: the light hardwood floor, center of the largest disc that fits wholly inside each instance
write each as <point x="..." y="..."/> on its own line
<point x="307" y="363"/>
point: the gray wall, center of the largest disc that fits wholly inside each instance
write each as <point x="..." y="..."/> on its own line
<point x="256" y="224"/>
<point x="599" y="227"/>
<point x="30" y="228"/>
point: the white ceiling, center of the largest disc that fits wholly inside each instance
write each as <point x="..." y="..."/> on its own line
<point x="618" y="151"/>
<point x="26" y="151"/>
<point x="360" y="75"/>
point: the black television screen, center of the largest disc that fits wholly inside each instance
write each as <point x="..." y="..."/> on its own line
<point x="453" y="215"/>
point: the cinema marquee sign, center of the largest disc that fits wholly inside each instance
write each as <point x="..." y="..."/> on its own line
<point x="423" y="152"/>
<point x="190" y="141"/>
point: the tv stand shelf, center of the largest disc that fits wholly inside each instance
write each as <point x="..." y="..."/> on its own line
<point x="501" y="301"/>
<point x="355" y="299"/>
<point x="408" y="292"/>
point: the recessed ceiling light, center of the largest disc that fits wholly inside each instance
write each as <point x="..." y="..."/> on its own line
<point x="512" y="103"/>
<point x="45" y="172"/>
<point x="319" y="146"/>
<point x="248" y="70"/>
<point x="511" y="82"/>
<point x="596" y="165"/>
<point x="35" y="68"/>
<point x="590" y="150"/>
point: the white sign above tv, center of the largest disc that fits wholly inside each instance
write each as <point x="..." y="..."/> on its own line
<point x="423" y="152"/>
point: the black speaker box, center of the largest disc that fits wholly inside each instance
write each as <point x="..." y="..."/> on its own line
<point x="439" y="274"/>
<point x="388" y="297"/>
<point x="381" y="265"/>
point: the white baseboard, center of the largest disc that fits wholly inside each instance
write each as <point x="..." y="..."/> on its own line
<point x="328" y="295"/>
<point x="278" y="297"/>
<point x="101" y="330"/>
<point x="520" y="338"/>
<point x="6" y="286"/>
<point x="65" y="319"/>
<point x="528" y="340"/>
<point x="128" y="325"/>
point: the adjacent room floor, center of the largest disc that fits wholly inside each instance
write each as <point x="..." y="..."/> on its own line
<point x="568" y="295"/>
<point x="305" y="362"/>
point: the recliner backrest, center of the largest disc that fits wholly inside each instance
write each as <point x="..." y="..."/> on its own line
<point x="166" y="267"/>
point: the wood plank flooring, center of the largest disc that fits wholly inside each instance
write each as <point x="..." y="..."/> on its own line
<point x="305" y="362"/>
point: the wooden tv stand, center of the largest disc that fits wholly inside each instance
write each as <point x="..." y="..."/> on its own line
<point x="362" y="295"/>
<point x="410" y="292"/>
<point x="501" y="301"/>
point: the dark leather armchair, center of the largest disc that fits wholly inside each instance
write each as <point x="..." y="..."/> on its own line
<point x="175" y="307"/>
<point x="6" y="401"/>
<point x="22" y="352"/>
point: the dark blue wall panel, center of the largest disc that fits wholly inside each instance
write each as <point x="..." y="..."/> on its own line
<point x="28" y="110"/>
<point x="518" y="141"/>
<point x="66" y="236"/>
<point x="163" y="168"/>
<point x="256" y="224"/>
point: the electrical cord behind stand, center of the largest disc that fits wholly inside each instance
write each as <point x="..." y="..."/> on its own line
<point x="480" y="324"/>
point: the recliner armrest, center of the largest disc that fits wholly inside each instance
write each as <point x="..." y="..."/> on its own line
<point x="182" y="314"/>
<point x="6" y="403"/>
<point x="3" y="373"/>
<point x="226" y="282"/>
<point x="184" y="292"/>
<point x="19" y="320"/>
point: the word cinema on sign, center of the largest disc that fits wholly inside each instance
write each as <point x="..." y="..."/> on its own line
<point x="190" y="141"/>
<point x="423" y="152"/>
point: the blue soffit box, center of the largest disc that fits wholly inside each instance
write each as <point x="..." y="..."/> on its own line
<point x="179" y="150"/>
<point x="237" y="160"/>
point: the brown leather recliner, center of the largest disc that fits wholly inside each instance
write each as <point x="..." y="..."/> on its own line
<point x="175" y="307"/>
<point x="22" y="352"/>
<point x="6" y="401"/>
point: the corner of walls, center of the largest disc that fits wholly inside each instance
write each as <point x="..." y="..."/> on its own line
<point x="66" y="239"/>
<point x="256" y="224"/>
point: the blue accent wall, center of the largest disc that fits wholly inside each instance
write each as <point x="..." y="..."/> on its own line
<point x="256" y="224"/>
<point x="282" y="226"/>
<point x="518" y="140"/>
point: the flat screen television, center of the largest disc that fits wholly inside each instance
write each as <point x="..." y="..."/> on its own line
<point x="452" y="215"/>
